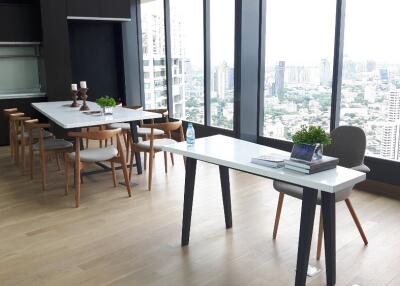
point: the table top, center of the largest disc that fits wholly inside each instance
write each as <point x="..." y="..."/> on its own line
<point x="237" y="154"/>
<point x="68" y="117"/>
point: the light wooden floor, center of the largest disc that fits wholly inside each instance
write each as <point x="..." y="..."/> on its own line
<point x="114" y="240"/>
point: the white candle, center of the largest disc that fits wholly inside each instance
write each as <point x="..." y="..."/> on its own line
<point x="74" y="87"/>
<point x="82" y="84"/>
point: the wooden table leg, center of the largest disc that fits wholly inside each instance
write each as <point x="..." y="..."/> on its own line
<point x="328" y="206"/>
<point x="135" y="137"/>
<point x="306" y="229"/>
<point x="226" y="195"/>
<point x="188" y="199"/>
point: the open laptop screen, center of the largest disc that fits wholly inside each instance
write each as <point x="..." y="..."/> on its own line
<point x="302" y="152"/>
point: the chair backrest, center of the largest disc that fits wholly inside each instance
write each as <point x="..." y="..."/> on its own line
<point x="97" y="134"/>
<point x="9" y="111"/>
<point x="135" y="107"/>
<point x="348" y="144"/>
<point x="31" y="125"/>
<point x="162" y="111"/>
<point x="167" y="127"/>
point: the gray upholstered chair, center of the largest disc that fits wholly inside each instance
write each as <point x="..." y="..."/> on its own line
<point x="348" y="144"/>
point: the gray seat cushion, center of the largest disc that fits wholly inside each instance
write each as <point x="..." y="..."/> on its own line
<point x="297" y="192"/>
<point x="36" y="134"/>
<point x="96" y="154"/>
<point x="141" y="131"/>
<point x="53" y="144"/>
<point x="158" y="143"/>
<point x="362" y="168"/>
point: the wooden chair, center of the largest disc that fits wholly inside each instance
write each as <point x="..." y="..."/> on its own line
<point x="7" y="113"/>
<point x="348" y="144"/>
<point x="16" y="127"/>
<point x="82" y="158"/>
<point x="156" y="142"/>
<point x="44" y="147"/>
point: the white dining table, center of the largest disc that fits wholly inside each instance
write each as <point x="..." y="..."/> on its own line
<point x="230" y="153"/>
<point x="67" y="117"/>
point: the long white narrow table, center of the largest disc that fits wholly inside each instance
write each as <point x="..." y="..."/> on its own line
<point x="68" y="117"/>
<point x="229" y="153"/>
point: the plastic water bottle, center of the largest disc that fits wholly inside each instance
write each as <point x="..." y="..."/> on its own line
<point x="190" y="135"/>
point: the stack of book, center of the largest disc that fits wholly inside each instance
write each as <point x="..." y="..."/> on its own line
<point x="271" y="160"/>
<point x="312" y="167"/>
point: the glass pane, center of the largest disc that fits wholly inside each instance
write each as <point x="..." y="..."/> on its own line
<point x="153" y="45"/>
<point x="298" y="65"/>
<point x="371" y="74"/>
<point x="187" y="50"/>
<point x="19" y="70"/>
<point x="222" y="42"/>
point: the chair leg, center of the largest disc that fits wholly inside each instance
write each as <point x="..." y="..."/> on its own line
<point x="113" y="174"/>
<point x="151" y="162"/>
<point x="77" y="184"/>
<point x="31" y="163"/>
<point x="320" y="235"/>
<point x="165" y="162"/>
<point x="43" y="169"/>
<point x="172" y="159"/>
<point x="66" y="173"/>
<point x="126" y="176"/>
<point x="278" y="214"/>
<point x="23" y="155"/>
<point x="58" y="161"/>
<point x="131" y="165"/>
<point x="357" y="222"/>
<point x="145" y="160"/>
<point x="128" y="144"/>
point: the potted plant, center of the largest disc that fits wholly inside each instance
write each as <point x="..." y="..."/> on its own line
<point x="106" y="103"/>
<point x="313" y="135"/>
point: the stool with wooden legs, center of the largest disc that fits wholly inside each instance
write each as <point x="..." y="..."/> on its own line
<point x="156" y="143"/>
<point x="44" y="147"/>
<point x="82" y="158"/>
<point x="7" y="113"/>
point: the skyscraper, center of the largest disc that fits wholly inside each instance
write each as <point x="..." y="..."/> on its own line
<point x="280" y="79"/>
<point x="325" y="73"/>
<point x="391" y="132"/>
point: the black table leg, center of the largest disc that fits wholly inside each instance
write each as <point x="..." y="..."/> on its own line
<point x="226" y="195"/>
<point x="306" y="229"/>
<point x="329" y="219"/>
<point x="135" y="138"/>
<point x="188" y="199"/>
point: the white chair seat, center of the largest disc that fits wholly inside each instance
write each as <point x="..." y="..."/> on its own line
<point x="36" y="134"/>
<point x="53" y="144"/>
<point x="95" y="154"/>
<point x="122" y="125"/>
<point x="297" y="192"/>
<point x="147" y="131"/>
<point x="158" y="143"/>
<point x="141" y="131"/>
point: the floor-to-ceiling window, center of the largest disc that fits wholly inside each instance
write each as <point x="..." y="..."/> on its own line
<point x="299" y="46"/>
<point x="370" y="95"/>
<point x="153" y="47"/>
<point x="222" y="50"/>
<point x="187" y="55"/>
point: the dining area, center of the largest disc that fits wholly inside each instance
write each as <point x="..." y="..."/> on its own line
<point x="90" y="142"/>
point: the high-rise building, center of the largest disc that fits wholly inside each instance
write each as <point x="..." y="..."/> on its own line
<point x="325" y="73"/>
<point x="222" y="80"/>
<point x="371" y="66"/>
<point x="280" y="79"/>
<point x="391" y="131"/>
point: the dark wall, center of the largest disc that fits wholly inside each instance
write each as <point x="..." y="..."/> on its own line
<point x="97" y="57"/>
<point x="99" y="8"/>
<point x="20" y="21"/>
<point x="56" y="49"/>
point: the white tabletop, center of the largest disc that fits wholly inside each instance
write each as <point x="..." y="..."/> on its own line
<point x="237" y="154"/>
<point x="68" y="117"/>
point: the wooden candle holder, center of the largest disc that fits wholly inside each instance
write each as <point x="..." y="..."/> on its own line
<point x="84" y="97"/>
<point x="74" y="98"/>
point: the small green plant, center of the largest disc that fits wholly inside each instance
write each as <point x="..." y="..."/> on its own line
<point x="106" y="101"/>
<point x="311" y="135"/>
